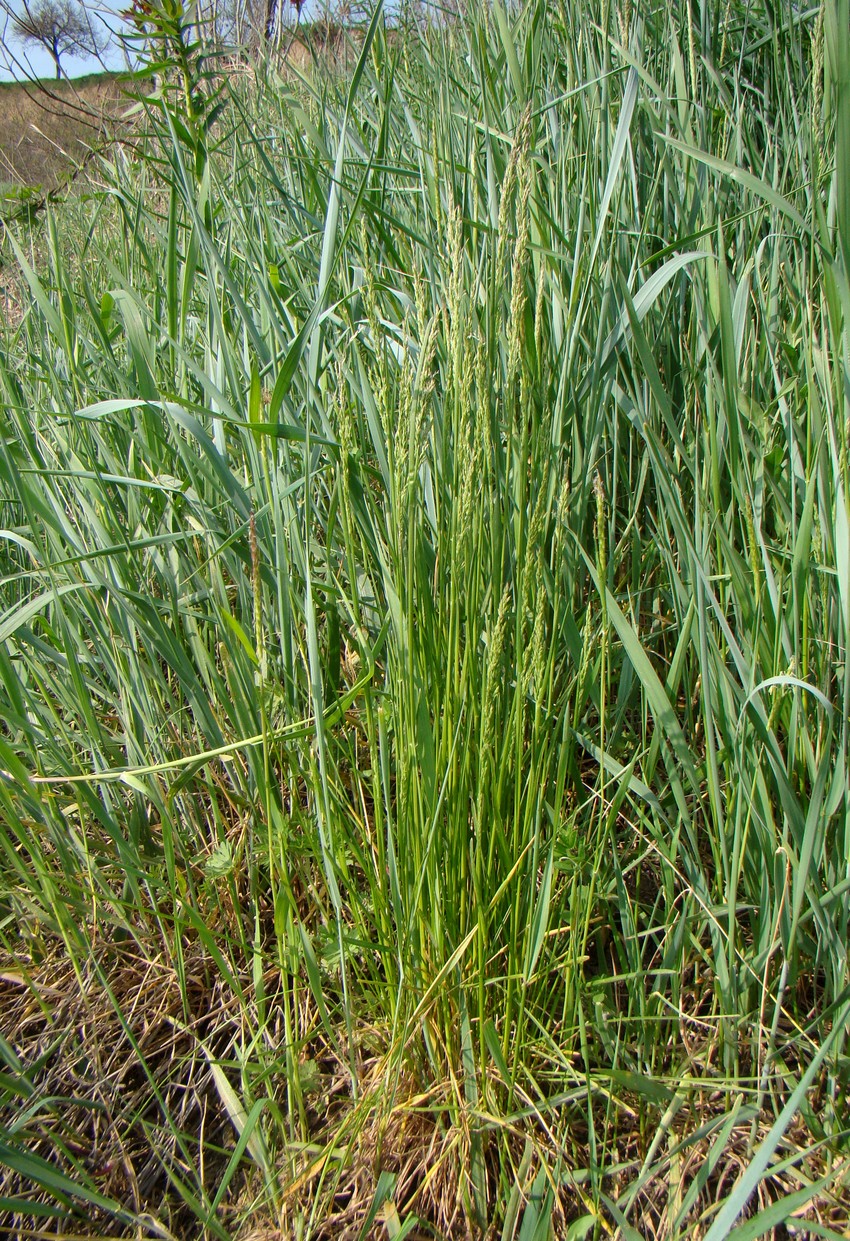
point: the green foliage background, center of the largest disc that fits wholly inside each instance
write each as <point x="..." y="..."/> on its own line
<point x="426" y="596"/>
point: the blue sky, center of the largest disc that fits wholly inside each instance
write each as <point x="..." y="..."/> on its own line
<point x="17" y="61"/>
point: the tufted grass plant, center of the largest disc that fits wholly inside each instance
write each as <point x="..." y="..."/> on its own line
<point x="425" y="611"/>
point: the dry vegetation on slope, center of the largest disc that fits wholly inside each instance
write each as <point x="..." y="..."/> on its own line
<point x="47" y="129"/>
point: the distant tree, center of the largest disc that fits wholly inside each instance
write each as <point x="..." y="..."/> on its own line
<point x="61" y="27"/>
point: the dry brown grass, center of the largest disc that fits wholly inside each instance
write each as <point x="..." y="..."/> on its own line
<point x="103" y="1072"/>
<point x="48" y="129"/>
<point x="11" y="298"/>
<point x="107" y="1081"/>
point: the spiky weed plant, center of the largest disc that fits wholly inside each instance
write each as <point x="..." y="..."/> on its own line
<point x="424" y="647"/>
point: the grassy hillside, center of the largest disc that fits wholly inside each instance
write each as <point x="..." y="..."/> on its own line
<point x="424" y="645"/>
<point x="48" y="128"/>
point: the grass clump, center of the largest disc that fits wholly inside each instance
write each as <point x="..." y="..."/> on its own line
<point x="424" y="666"/>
